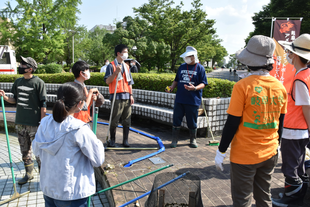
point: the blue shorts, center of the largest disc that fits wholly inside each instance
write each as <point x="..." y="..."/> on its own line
<point x="190" y="112"/>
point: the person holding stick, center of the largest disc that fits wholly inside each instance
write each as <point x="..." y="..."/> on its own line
<point x="29" y="95"/>
<point x="120" y="82"/>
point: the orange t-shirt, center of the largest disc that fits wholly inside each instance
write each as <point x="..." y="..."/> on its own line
<point x="259" y="101"/>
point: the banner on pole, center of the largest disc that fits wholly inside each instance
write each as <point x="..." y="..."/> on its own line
<point x="285" y="30"/>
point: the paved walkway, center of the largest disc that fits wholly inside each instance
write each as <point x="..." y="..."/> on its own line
<point x="215" y="185"/>
<point x="225" y="74"/>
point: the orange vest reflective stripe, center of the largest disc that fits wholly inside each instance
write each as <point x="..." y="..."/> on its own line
<point x="294" y="119"/>
<point x="83" y="115"/>
<point x="122" y="85"/>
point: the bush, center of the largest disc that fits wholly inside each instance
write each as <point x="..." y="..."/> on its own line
<point x="49" y="68"/>
<point x="40" y="69"/>
<point x="144" y="81"/>
<point x="208" y="70"/>
<point x="66" y="68"/>
<point x="53" y="68"/>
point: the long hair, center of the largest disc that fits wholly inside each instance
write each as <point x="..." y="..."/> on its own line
<point x="68" y="96"/>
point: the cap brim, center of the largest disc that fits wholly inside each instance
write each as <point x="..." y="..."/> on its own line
<point x="250" y="59"/>
<point x="288" y="46"/>
<point x="188" y="53"/>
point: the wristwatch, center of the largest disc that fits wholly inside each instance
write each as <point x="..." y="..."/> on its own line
<point x="195" y="88"/>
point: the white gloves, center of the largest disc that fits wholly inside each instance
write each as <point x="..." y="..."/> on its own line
<point x="219" y="158"/>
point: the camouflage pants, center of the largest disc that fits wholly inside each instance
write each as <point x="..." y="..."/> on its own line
<point x="25" y="136"/>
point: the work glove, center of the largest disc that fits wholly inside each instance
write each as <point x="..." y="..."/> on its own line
<point x="219" y="158"/>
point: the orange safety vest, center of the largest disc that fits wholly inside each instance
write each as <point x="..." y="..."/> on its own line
<point x="83" y="115"/>
<point x="294" y="119"/>
<point x="122" y="85"/>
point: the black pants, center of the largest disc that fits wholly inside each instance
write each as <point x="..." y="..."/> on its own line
<point x="293" y="153"/>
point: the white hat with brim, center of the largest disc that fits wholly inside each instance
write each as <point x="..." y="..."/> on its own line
<point x="300" y="46"/>
<point x="189" y="51"/>
<point x="258" y="52"/>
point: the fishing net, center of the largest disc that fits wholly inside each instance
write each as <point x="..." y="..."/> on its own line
<point x="185" y="191"/>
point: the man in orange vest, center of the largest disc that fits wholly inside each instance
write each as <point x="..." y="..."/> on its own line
<point x="295" y="134"/>
<point x="81" y="73"/>
<point x="117" y="70"/>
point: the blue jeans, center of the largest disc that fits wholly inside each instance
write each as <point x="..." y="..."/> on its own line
<point x="190" y="112"/>
<point x="51" y="202"/>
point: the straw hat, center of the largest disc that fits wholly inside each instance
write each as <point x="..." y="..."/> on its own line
<point x="258" y="52"/>
<point x="300" y="46"/>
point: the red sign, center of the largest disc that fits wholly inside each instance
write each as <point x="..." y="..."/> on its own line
<point x="286" y="31"/>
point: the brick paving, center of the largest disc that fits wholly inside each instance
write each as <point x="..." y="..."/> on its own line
<point x="35" y="197"/>
<point x="215" y="185"/>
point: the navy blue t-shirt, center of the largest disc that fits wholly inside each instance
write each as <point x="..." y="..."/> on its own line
<point x="194" y="74"/>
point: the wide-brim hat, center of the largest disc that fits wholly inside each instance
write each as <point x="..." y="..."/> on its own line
<point x="30" y="61"/>
<point x="189" y="51"/>
<point x="300" y="46"/>
<point x="258" y="52"/>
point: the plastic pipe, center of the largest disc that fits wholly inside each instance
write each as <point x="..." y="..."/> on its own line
<point x="95" y="120"/>
<point x="160" y="143"/>
<point x="147" y="193"/>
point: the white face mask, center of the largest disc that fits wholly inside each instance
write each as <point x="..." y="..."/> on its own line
<point x="125" y="56"/>
<point x="289" y="60"/>
<point x="107" y="63"/>
<point x="188" y="60"/>
<point x="87" y="75"/>
<point x="79" y="109"/>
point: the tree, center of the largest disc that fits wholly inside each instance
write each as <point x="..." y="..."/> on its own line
<point x="81" y="44"/>
<point x="97" y="51"/>
<point x="174" y="26"/>
<point x="281" y="8"/>
<point x="37" y="27"/>
<point x="161" y="33"/>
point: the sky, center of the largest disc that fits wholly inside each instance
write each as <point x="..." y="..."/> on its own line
<point x="232" y="17"/>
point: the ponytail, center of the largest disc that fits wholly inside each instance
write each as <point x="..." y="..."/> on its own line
<point x="68" y="95"/>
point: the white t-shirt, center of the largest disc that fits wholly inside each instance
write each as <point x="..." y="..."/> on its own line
<point x="103" y="69"/>
<point x="302" y="98"/>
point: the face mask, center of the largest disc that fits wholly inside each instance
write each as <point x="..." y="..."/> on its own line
<point x="131" y="64"/>
<point x="188" y="60"/>
<point x="289" y="60"/>
<point x="125" y="56"/>
<point x="79" y="109"/>
<point x="22" y="70"/>
<point x="87" y="75"/>
<point x="107" y="63"/>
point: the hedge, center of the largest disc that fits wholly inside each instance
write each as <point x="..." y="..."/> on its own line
<point x="144" y="81"/>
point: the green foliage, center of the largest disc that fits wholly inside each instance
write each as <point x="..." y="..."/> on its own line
<point x="153" y="82"/>
<point x="98" y="51"/>
<point x="161" y="31"/>
<point x="36" y="27"/>
<point x="218" y="88"/>
<point x="281" y="8"/>
<point x="208" y="70"/>
<point x="40" y="69"/>
<point x="53" y="68"/>
<point x="66" y="68"/>
<point x="79" y="35"/>
<point x="49" y="68"/>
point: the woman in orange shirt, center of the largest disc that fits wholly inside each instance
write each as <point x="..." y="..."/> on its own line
<point x="254" y="124"/>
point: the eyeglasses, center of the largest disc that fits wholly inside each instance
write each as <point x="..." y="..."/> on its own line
<point x="288" y="51"/>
